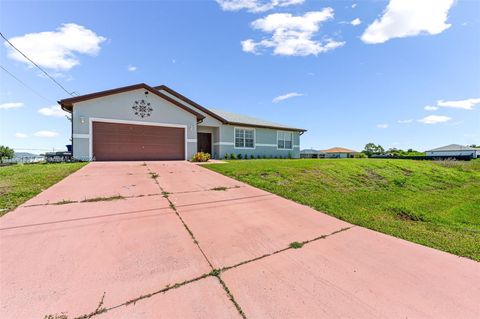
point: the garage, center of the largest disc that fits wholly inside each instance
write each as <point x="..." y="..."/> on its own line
<point x="129" y="142"/>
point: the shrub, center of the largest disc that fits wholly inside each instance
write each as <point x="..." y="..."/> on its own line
<point x="245" y="156"/>
<point x="239" y="156"/>
<point x="252" y="156"/>
<point x="225" y="156"/>
<point x="360" y="155"/>
<point x="259" y="156"/>
<point x="201" y="157"/>
<point x="264" y="156"/>
<point x="233" y="156"/>
<point x="290" y="155"/>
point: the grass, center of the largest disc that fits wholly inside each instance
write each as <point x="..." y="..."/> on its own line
<point x="436" y="204"/>
<point x="296" y="245"/>
<point x="18" y="183"/>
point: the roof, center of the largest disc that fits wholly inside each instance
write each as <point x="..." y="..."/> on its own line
<point x="223" y="116"/>
<point x="454" y="147"/>
<point x="245" y="120"/>
<point x="338" y="150"/>
<point x="67" y="104"/>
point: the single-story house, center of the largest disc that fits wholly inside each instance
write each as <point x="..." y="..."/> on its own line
<point x="140" y="122"/>
<point x="311" y="153"/>
<point x="454" y="150"/>
<point x="339" y="152"/>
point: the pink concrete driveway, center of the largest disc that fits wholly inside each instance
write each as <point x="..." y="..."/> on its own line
<point x="175" y="240"/>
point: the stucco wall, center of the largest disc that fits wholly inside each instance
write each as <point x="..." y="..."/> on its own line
<point x="451" y="153"/>
<point x="265" y="143"/>
<point x="119" y="107"/>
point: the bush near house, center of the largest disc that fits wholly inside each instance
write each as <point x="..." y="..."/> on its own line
<point x="6" y="153"/>
<point x="201" y="157"/>
<point x="433" y="203"/>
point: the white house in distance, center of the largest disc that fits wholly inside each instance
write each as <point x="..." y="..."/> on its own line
<point x="454" y="150"/>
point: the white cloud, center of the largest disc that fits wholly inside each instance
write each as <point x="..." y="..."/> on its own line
<point x="21" y="135"/>
<point x="356" y="22"/>
<point x="430" y="108"/>
<point x="384" y="125"/>
<point x="434" y="119"/>
<point x="292" y="35"/>
<point x="405" y="18"/>
<point x="56" y="49"/>
<point x="405" y="121"/>
<point x="55" y="111"/>
<point x="131" y="68"/>
<point x="354" y="6"/>
<point x="45" y="134"/>
<point x="285" y="97"/>
<point x="255" y="5"/>
<point x="467" y="104"/>
<point x="11" y="105"/>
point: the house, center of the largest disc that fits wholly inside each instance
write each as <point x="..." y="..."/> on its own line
<point x="339" y="152"/>
<point x="311" y="153"/>
<point x="140" y="122"/>
<point x="454" y="150"/>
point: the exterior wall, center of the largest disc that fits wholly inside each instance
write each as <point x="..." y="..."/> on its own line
<point x="265" y="143"/>
<point x="119" y="107"/>
<point x="339" y="155"/>
<point x="450" y="153"/>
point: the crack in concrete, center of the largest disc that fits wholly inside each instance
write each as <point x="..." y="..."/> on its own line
<point x="92" y="200"/>
<point x="214" y="273"/>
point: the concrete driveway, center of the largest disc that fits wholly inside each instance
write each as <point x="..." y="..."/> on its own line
<point x="175" y="240"/>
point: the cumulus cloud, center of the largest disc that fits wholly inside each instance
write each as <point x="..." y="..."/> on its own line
<point x="405" y="18"/>
<point x="131" y="68"/>
<point x="434" y="119"/>
<point x="255" y="6"/>
<point x="11" y="105"/>
<point x="284" y="97"/>
<point x="430" y="108"/>
<point x="21" y="135"/>
<point x="383" y="125"/>
<point x="56" y="50"/>
<point x="45" y="134"/>
<point x="292" y="35"/>
<point x="55" y="111"/>
<point x="356" y="22"/>
<point x="467" y="104"/>
<point x="405" y="121"/>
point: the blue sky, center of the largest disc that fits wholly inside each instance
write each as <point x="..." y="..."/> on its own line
<point x="348" y="83"/>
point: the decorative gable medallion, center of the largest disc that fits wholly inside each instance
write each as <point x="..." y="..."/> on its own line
<point x="142" y="108"/>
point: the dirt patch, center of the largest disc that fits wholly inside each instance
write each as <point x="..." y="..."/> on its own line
<point x="405" y="214"/>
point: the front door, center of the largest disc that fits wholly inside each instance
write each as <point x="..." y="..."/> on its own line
<point x="204" y="142"/>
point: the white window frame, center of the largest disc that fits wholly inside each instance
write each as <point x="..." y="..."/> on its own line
<point x="254" y="138"/>
<point x="284" y="148"/>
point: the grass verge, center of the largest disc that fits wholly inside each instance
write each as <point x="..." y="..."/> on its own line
<point x="19" y="183"/>
<point x="436" y="204"/>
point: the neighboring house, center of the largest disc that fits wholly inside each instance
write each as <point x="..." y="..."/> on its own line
<point x="311" y="153"/>
<point x="25" y="157"/>
<point x="454" y="150"/>
<point x="339" y="152"/>
<point x="140" y="122"/>
<point x="334" y="152"/>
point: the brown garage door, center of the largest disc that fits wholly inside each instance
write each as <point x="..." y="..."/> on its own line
<point x="126" y="142"/>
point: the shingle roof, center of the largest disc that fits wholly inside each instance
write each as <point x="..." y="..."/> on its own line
<point x="233" y="118"/>
<point x="454" y="147"/>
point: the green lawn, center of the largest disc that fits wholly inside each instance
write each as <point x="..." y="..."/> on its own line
<point x="436" y="204"/>
<point x="18" y="183"/>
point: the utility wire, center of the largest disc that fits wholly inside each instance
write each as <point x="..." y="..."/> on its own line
<point x="44" y="72"/>
<point x="25" y="85"/>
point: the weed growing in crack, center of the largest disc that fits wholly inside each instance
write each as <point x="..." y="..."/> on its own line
<point x="153" y="175"/>
<point x="296" y="245"/>
<point x="165" y="194"/>
<point x="102" y="199"/>
<point x="219" y="188"/>
<point x="215" y="272"/>
<point x="64" y="202"/>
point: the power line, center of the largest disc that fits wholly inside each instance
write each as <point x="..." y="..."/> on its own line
<point x="44" y="72"/>
<point x="25" y="85"/>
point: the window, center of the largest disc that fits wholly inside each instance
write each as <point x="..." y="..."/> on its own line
<point x="285" y="140"/>
<point x="244" y="138"/>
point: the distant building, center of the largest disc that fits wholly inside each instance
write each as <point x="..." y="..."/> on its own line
<point x="339" y="152"/>
<point x="454" y="150"/>
<point x="334" y="152"/>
